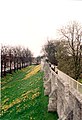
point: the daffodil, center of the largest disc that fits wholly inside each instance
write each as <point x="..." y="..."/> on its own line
<point x="33" y="72"/>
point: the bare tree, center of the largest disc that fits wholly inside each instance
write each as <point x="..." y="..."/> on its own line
<point x="72" y="34"/>
<point x="23" y="55"/>
<point x="30" y="57"/>
<point x="18" y="50"/>
<point x="4" y="52"/>
<point x="27" y="56"/>
<point x="14" y="58"/>
<point x="10" y="56"/>
<point x="2" y="62"/>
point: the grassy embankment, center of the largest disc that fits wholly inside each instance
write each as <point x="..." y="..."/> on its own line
<point x="23" y="96"/>
<point x="80" y="80"/>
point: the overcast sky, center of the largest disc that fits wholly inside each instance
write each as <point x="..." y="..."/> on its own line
<point x="31" y="22"/>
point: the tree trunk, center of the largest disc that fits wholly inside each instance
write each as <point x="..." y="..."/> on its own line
<point x="4" y="68"/>
<point x="17" y="63"/>
<point x="1" y="67"/>
<point x="14" y="65"/>
<point x="10" y="66"/>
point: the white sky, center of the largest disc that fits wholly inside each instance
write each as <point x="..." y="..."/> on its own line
<point x="30" y="22"/>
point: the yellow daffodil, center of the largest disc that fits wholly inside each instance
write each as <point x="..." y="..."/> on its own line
<point x="33" y="72"/>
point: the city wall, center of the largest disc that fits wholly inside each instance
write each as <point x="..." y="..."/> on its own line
<point x="65" y="93"/>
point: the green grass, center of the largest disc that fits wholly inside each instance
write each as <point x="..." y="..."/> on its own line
<point x="80" y="80"/>
<point x="24" y="99"/>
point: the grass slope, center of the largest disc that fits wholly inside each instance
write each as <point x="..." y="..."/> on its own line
<point x="80" y="80"/>
<point x="23" y="96"/>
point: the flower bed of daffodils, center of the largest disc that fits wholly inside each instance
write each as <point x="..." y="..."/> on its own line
<point x="22" y="96"/>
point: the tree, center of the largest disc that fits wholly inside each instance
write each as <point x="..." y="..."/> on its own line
<point x="14" y="58"/>
<point x="30" y="57"/>
<point x="4" y="52"/>
<point x="72" y="34"/>
<point x="64" y="60"/>
<point x="27" y="56"/>
<point x="19" y="51"/>
<point x="10" y="56"/>
<point x="49" y="50"/>
<point x="38" y="60"/>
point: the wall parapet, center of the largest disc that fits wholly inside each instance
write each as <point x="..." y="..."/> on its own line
<point x="65" y="94"/>
<point x="72" y="82"/>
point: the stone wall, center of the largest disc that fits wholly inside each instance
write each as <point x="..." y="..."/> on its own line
<point x="66" y="100"/>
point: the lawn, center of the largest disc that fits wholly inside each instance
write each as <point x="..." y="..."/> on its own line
<point x="22" y="96"/>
